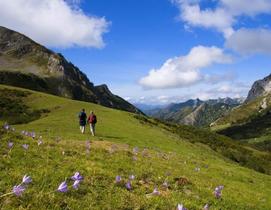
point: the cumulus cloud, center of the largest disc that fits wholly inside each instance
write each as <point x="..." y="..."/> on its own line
<point x="184" y="70"/>
<point x="223" y="16"/>
<point x="250" y="41"/>
<point x="219" y="19"/>
<point x="53" y="23"/>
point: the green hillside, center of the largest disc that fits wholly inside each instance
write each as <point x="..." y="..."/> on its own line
<point x="193" y="168"/>
<point x="248" y="123"/>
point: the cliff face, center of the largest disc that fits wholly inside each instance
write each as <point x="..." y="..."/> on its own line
<point x="259" y="88"/>
<point x="27" y="64"/>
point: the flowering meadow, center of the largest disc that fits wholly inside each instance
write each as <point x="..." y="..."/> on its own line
<point x="48" y="164"/>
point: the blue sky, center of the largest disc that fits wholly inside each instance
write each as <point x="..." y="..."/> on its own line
<point x="157" y="51"/>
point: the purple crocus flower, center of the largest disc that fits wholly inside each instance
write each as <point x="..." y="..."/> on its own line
<point x="206" y="207"/>
<point x="63" y="187"/>
<point x="118" y="179"/>
<point x="180" y="207"/>
<point x="76" y="184"/>
<point x="132" y="177"/>
<point x="155" y="192"/>
<point x="33" y="135"/>
<point x="128" y="185"/>
<point x="217" y="194"/>
<point x="6" y="126"/>
<point x="10" y="145"/>
<point x="218" y="191"/>
<point x="135" y="150"/>
<point x="18" y="190"/>
<point x="26" y="179"/>
<point x="25" y="146"/>
<point x="77" y="176"/>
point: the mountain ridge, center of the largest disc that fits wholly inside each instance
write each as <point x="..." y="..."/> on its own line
<point x="195" y="111"/>
<point x="25" y="63"/>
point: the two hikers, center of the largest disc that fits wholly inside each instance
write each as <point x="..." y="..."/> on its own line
<point x="83" y="119"/>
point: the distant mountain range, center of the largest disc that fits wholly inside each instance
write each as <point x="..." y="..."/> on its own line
<point x="195" y="112"/>
<point x="25" y="63"/>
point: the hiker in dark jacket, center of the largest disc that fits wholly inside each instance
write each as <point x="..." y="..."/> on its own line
<point x="92" y="120"/>
<point x="82" y="120"/>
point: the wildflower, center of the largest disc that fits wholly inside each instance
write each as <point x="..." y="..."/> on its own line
<point x="76" y="184"/>
<point x="132" y="177"/>
<point x="25" y="146"/>
<point x="6" y="126"/>
<point x="134" y="158"/>
<point x="63" y="187"/>
<point x="118" y="179"/>
<point x="197" y="169"/>
<point x="128" y="185"/>
<point x="18" y="190"/>
<point x="77" y="176"/>
<point x="33" y="135"/>
<point x="26" y="179"/>
<point x="10" y="145"/>
<point x="180" y="207"/>
<point x="218" y="191"/>
<point x="135" y="150"/>
<point x="39" y="142"/>
<point x="165" y="184"/>
<point x="206" y="207"/>
<point x="155" y="192"/>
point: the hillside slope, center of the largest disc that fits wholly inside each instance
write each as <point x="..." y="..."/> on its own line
<point x="25" y="63"/>
<point x="124" y="145"/>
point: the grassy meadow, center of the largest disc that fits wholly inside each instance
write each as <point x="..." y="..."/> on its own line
<point x="124" y="146"/>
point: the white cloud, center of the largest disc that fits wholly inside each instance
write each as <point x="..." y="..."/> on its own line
<point x="249" y="41"/>
<point x="219" y="18"/>
<point x="184" y="70"/>
<point x="224" y="16"/>
<point x="245" y="7"/>
<point x="54" y="23"/>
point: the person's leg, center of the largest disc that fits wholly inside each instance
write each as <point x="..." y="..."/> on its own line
<point x="83" y="130"/>
<point x="92" y="129"/>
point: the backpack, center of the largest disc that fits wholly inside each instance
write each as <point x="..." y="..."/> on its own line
<point x="82" y="116"/>
<point x="94" y="119"/>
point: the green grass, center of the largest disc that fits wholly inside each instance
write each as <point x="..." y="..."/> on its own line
<point x="111" y="154"/>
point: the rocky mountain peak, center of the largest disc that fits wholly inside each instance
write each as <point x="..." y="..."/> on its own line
<point x="259" y="88"/>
